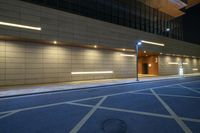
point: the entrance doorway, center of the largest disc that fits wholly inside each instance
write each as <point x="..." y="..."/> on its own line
<point x="145" y="68"/>
<point x="147" y="64"/>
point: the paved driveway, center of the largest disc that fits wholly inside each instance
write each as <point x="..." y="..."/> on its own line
<point x="165" y="106"/>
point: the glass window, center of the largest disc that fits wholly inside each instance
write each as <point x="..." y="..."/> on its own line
<point x="129" y="13"/>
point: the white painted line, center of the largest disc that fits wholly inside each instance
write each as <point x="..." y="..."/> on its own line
<point x="136" y="112"/>
<point x="60" y="103"/>
<point x="190" y="89"/>
<point x="111" y="109"/>
<point x="87" y="116"/>
<point x="8" y="114"/>
<point x="190" y="119"/>
<point x="34" y="107"/>
<point x="168" y="95"/>
<point x="85" y="99"/>
<point x="190" y="82"/>
<point x="80" y="104"/>
<point x="173" y="114"/>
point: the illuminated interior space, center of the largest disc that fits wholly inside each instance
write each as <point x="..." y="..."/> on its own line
<point x="148" y="64"/>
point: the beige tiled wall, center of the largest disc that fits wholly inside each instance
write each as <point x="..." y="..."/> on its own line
<point x="172" y="69"/>
<point x="29" y="63"/>
<point x="67" y="27"/>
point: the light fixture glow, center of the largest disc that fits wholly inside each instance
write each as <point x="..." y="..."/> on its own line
<point x="95" y="46"/>
<point x="20" y="26"/>
<point x="139" y="43"/>
<point x="181" y="71"/>
<point x="167" y="29"/>
<point x="176" y="63"/>
<point x="195" y="69"/>
<point x="154" y="43"/>
<point x="145" y="51"/>
<point x="150" y="65"/>
<point x="128" y="55"/>
<point x="173" y="63"/>
<point x="92" y="72"/>
<point x="124" y="49"/>
<point x="54" y="42"/>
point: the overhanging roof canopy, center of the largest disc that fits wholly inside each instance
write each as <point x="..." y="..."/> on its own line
<point x="171" y="7"/>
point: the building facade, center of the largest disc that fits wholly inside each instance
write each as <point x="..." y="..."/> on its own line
<point x="44" y="41"/>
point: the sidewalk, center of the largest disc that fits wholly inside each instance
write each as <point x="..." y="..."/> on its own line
<point x="42" y="88"/>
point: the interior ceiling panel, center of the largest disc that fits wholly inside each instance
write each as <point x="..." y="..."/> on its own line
<point x="192" y="3"/>
<point x="170" y="7"/>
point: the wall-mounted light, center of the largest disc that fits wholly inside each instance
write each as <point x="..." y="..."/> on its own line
<point x="176" y="63"/>
<point x="123" y="49"/>
<point x="195" y="69"/>
<point x="128" y="55"/>
<point x="95" y="46"/>
<point x="153" y="43"/>
<point x="92" y="72"/>
<point x="173" y="63"/>
<point x="149" y="65"/>
<point x="20" y="26"/>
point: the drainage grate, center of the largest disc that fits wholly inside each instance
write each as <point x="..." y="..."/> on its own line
<point x="114" y="126"/>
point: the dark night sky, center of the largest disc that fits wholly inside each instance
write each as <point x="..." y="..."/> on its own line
<point x="191" y="25"/>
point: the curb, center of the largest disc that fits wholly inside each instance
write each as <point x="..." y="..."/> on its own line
<point x="98" y="86"/>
